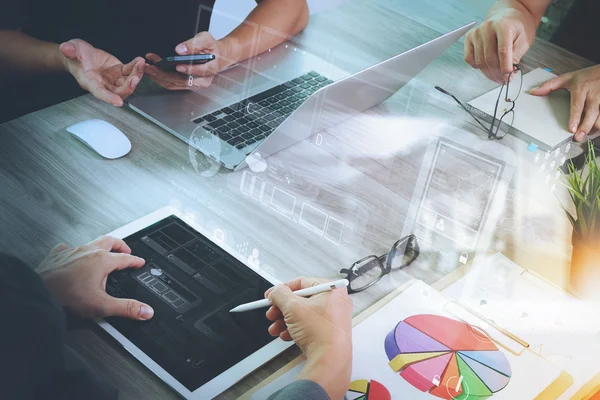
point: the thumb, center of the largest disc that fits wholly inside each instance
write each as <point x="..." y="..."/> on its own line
<point x="58" y="248"/>
<point x="521" y="46"/>
<point x="282" y="297"/>
<point x="128" y="308"/>
<point x="69" y="50"/>
<point x="549" y="86"/>
<point x="195" y="45"/>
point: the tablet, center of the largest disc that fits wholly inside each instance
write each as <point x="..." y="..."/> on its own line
<point x="193" y="343"/>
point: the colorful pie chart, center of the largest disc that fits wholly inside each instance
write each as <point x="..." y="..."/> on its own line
<point x="363" y="389"/>
<point x="447" y="358"/>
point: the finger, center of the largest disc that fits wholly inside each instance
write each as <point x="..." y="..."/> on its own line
<point x="197" y="44"/>
<point x="520" y="47"/>
<point x="111" y="243"/>
<point x="152" y="71"/>
<point x="550" y="86"/>
<point x="128" y="308"/>
<point x="69" y="50"/>
<point x="299" y="283"/>
<point x="169" y="84"/>
<point x="282" y="297"/>
<point x="577" y="107"/>
<point x="480" y="57"/>
<point x="194" y="70"/>
<point x="589" y="119"/>
<point x="126" y="88"/>
<point x="136" y="65"/>
<point x="58" y="248"/>
<point x="153" y="57"/>
<point x="505" y="42"/>
<point x="490" y="53"/>
<point x="168" y="80"/>
<point x="274" y="313"/>
<point x="285" y="336"/>
<point x="597" y="124"/>
<point x="100" y="92"/>
<point x="121" y="261"/>
<point x="277" y="327"/>
<point x="469" y="50"/>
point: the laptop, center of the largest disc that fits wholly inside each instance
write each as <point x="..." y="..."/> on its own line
<point x="280" y="98"/>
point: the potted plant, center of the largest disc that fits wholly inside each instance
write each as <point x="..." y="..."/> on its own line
<point x="584" y="190"/>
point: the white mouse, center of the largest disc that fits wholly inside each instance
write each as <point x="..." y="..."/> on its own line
<point x="102" y="137"/>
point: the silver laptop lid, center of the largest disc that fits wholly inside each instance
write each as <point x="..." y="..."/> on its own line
<point x="351" y="95"/>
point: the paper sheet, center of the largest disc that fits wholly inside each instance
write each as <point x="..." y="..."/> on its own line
<point x="530" y="374"/>
<point x="544" y="119"/>
<point x="558" y="327"/>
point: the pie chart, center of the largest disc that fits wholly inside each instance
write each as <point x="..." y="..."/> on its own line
<point x="447" y="358"/>
<point x="363" y="389"/>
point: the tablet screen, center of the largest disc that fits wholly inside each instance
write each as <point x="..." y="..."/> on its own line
<point x="192" y="284"/>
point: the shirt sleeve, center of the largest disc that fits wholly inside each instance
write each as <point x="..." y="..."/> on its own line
<point x="35" y="361"/>
<point x="301" y="390"/>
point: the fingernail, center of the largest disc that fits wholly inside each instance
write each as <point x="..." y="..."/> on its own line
<point x="181" y="48"/>
<point x="146" y="312"/>
<point x="533" y="88"/>
<point x="573" y="128"/>
<point x="180" y="68"/>
<point x="580" y="136"/>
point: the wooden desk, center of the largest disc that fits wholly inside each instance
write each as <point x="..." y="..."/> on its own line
<point x="363" y="174"/>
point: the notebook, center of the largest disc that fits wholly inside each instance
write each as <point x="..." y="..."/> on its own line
<point x="539" y="120"/>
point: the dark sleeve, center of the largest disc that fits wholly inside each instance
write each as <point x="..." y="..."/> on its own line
<point x="34" y="361"/>
<point x="300" y="390"/>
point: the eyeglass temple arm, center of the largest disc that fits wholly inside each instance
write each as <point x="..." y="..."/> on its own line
<point x="487" y="129"/>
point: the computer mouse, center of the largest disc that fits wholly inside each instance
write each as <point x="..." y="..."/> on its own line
<point x="102" y="137"/>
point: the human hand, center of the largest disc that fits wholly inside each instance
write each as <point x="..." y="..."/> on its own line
<point x="499" y="42"/>
<point x="321" y="326"/>
<point x="584" y="86"/>
<point x="100" y="73"/>
<point x="77" y="278"/>
<point x="189" y="76"/>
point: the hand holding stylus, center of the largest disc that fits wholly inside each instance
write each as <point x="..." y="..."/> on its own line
<point x="321" y="326"/>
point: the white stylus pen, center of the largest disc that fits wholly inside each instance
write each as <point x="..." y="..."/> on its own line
<point x="302" y="292"/>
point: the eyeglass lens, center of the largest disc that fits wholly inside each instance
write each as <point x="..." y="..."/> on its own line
<point x="403" y="253"/>
<point x="365" y="273"/>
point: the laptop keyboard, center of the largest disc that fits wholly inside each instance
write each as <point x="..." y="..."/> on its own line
<point x="253" y="119"/>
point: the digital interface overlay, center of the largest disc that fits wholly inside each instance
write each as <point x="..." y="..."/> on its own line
<point x="460" y="188"/>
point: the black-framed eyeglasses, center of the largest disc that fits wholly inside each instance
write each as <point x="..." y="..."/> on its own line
<point x="504" y="112"/>
<point x="366" y="272"/>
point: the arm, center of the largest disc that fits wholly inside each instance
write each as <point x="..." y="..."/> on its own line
<point x="504" y="37"/>
<point x="322" y="327"/>
<point x="277" y="21"/>
<point x="96" y="71"/>
<point x="20" y="53"/>
<point x="533" y="9"/>
<point x="269" y="24"/>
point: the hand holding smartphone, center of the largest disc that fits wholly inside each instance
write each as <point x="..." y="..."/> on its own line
<point x="169" y="63"/>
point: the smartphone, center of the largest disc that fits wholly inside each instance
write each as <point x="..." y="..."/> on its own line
<point x="169" y="63"/>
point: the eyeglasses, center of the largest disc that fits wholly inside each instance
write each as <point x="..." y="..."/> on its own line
<point x="366" y="272"/>
<point x="499" y="127"/>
